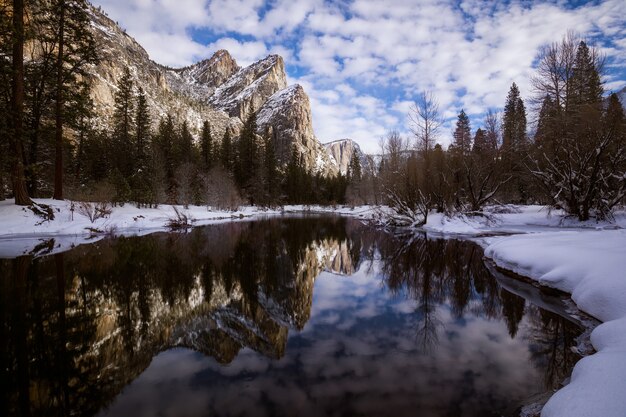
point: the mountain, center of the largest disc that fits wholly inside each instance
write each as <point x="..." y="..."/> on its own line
<point x="341" y="151"/>
<point x="216" y="90"/>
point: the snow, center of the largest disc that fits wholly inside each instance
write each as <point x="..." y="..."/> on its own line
<point x="587" y="260"/>
<point x="276" y="103"/>
<point x="591" y="266"/>
<point x="22" y="232"/>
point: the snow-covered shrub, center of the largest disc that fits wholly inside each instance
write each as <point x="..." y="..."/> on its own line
<point x="94" y="211"/>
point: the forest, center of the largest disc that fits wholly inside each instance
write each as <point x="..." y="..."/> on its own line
<point x="567" y="151"/>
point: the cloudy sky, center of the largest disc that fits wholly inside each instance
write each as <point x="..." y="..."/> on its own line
<point x="363" y="62"/>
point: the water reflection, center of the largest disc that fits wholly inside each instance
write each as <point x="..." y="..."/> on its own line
<point x="394" y="325"/>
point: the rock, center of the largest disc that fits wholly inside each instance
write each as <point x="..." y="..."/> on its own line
<point x="164" y="87"/>
<point x="286" y="116"/>
<point x="249" y="88"/>
<point x="216" y="90"/>
<point x="341" y="152"/>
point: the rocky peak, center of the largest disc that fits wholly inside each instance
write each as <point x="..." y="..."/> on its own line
<point x="250" y="87"/>
<point x="212" y="72"/>
<point x="216" y="90"/>
<point x="286" y="116"/>
<point x="341" y="151"/>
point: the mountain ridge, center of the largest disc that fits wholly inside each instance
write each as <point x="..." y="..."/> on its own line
<point x="215" y="89"/>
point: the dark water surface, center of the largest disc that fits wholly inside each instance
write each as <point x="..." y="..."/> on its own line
<point x="305" y="317"/>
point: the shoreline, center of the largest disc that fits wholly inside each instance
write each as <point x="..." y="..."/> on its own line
<point x="583" y="262"/>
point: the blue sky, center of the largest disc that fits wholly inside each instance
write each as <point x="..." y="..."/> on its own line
<point x="363" y="62"/>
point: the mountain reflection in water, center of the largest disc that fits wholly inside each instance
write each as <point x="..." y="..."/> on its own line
<point x="307" y="316"/>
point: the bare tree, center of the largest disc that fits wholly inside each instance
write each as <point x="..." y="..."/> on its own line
<point x="493" y="130"/>
<point x="220" y="190"/>
<point x="555" y="70"/>
<point x="425" y="121"/>
<point x="581" y="152"/>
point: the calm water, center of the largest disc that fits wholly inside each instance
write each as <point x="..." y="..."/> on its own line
<point x="306" y="317"/>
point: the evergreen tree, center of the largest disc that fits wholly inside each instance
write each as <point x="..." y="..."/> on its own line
<point x="578" y="151"/>
<point x="462" y="134"/>
<point x="16" y="136"/>
<point x="124" y="125"/>
<point x="75" y="50"/>
<point x="164" y="154"/>
<point x="270" y="171"/>
<point x="295" y="190"/>
<point x="480" y="142"/>
<point x="184" y="150"/>
<point x="226" y="152"/>
<point x="40" y="93"/>
<point x="354" y="168"/>
<point x="206" y="146"/>
<point x="514" y="121"/>
<point x="586" y="86"/>
<point x="142" y="192"/>
<point x="514" y="146"/>
<point x="545" y="121"/>
<point x="142" y="129"/>
<point x="247" y="161"/>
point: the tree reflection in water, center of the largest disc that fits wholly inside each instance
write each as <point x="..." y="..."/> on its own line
<point x="80" y="326"/>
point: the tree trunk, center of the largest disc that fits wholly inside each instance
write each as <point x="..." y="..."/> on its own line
<point x="17" y="106"/>
<point x="58" y="112"/>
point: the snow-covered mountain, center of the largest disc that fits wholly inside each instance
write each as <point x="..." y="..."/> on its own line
<point x="216" y="90"/>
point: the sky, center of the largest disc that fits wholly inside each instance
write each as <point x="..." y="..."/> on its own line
<point x="364" y="62"/>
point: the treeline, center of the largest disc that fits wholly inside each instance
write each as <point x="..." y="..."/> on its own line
<point x="133" y="164"/>
<point x="46" y="47"/>
<point x="48" y="146"/>
<point x="575" y="161"/>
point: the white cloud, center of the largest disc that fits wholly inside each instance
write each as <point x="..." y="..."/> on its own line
<point x="360" y="60"/>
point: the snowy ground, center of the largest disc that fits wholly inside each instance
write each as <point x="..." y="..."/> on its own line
<point x="22" y="232"/>
<point x="586" y="260"/>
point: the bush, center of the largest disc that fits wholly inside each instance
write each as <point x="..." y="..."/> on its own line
<point x="94" y="211"/>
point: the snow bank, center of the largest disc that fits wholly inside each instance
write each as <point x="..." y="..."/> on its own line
<point x="515" y="219"/>
<point x="21" y="231"/>
<point x="590" y="265"/>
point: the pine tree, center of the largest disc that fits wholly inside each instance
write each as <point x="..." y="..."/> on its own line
<point x="355" y="167"/>
<point x="294" y="178"/>
<point x="142" y="128"/>
<point x="75" y="50"/>
<point x="226" y="152"/>
<point x="514" y="146"/>
<point x="514" y="121"/>
<point x="142" y="192"/>
<point x="545" y="121"/>
<point x="206" y="146"/>
<point x="577" y="152"/>
<point x="270" y="171"/>
<point x="164" y="153"/>
<point x="247" y="161"/>
<point x="480" y="142"/>
<point x="17" y="106"/>
<point x="184" y="149"/>
<point x="462" y="134"/>
<point x="586" y="86"/>
<point x="124" y="125"/>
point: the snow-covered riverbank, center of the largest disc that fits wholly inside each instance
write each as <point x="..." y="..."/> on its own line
<point x="585" y="260"/>
<point x="22" y="232"/>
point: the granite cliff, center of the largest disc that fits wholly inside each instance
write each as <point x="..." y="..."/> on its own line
<point x="216" y="90"/>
